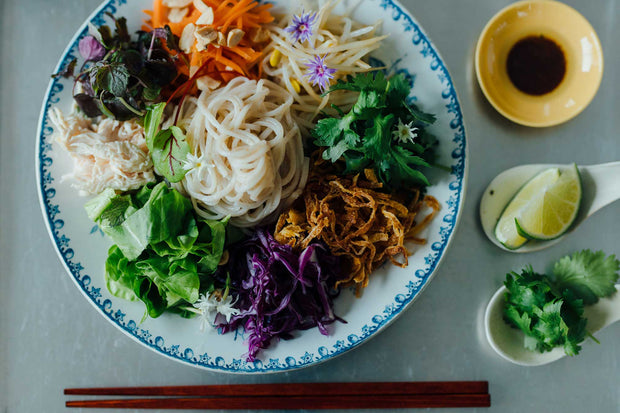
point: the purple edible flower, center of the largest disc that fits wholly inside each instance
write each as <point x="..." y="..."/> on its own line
<point x="91" y="49"/>
<point x="301" y="26"/>
<point x="319" y="73"/>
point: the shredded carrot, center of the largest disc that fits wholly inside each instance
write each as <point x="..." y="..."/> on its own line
<point x="241" y="59"/>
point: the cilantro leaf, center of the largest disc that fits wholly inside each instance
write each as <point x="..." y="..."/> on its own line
<point x="355" y="161"/>
<point x="550" y="327"/>
<point x="369" y="103"/>
<point x="376" y="144"/>
<point x="398" y="89"/>
<point x="550" y="310"/>
<point x="521" y="320"/>
<point x="420" y="116"/>
<point x="589" y="275"/>
<point x="548" y="319"/>
<point x="405" y="163"/>
<point x="333" y="153"/>
<point x="572" y="312"/>
<point x="368" y="136"/>
<point x="527" y="290"/>
<point x="365" y="81"/>
<point x="328" y="130"/>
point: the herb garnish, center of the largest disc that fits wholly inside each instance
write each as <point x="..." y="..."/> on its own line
<point x="549" y="310"/>
<point x="168" y="147"/>
<point x="120" y="76"/>
<point x="364" y="137"/>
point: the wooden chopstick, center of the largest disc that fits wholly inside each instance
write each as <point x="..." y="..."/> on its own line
<point x="294" y="389"/>
<point x="295" y="402"/>
<point x="389" y="395"/>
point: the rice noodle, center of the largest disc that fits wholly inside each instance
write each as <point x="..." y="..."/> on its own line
<point x="250" y="161"/>
<point x="342" y="40"/>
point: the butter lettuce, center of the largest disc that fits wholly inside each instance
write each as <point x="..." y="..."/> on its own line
<point x="164" y="255"/>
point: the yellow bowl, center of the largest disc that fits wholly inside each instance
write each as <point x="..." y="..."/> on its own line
<point x="555" y="21"/>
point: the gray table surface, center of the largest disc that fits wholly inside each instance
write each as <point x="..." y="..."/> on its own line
<point x="51" y="337"/>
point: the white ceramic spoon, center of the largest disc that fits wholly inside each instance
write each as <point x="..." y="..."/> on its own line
<point x="601" y="186"/>
<point x="508" y="341"/>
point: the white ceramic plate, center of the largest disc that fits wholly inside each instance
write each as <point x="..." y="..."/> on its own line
<point x="83" y="249"/>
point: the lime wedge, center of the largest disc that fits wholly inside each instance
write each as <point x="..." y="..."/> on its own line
<point x="552" y="212"/>
<point x="506" y="229"/>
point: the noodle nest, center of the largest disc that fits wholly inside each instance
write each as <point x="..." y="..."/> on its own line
<point x="247" y="152"/>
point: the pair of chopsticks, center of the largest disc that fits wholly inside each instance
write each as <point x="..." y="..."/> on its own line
<point x="276" y="396"/>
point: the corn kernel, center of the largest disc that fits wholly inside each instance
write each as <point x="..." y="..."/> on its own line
<point x="296" y="85"/>
<point x="275" y="58"/>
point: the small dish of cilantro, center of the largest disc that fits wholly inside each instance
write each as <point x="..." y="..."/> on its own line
<point x="550" y="309"/>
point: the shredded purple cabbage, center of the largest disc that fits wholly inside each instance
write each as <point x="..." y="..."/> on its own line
<point x="279" y="291"/>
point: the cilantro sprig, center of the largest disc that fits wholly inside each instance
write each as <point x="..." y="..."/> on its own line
<point x="549" y="309"/>
<point x="368" y="135"/>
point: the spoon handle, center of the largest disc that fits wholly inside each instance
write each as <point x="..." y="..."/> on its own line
<point x="603" y="313"/>
<point x="603" y="183"/>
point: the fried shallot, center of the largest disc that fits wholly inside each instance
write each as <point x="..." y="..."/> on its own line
<point x="356" y="221"/>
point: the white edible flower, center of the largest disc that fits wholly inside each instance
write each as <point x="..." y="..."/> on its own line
<point x="405" y="132"/>
<point x="192" y="162"/>
<point x="209" y="306"/>
<point x="225" y="308"/>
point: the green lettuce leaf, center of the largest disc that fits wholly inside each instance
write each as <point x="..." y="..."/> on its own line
<point x="163" y="254"/>
<point x="134" y="223"/>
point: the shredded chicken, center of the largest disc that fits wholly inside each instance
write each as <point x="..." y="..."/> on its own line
<point x="108" y="154"/>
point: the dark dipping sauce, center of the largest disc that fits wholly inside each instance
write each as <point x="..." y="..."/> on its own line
<point x="536" y="65"/>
